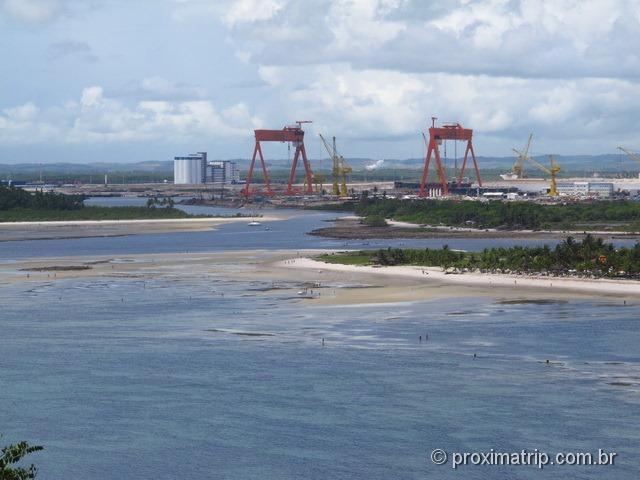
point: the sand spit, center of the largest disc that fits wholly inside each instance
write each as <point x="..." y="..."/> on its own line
<point x="12" y="231"/>
<point x="515" y="282"/>
<point x="286" y="275"/>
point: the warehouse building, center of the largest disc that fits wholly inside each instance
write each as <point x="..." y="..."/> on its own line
<point x="223" y="172"/>
<point x="586" y="189"/>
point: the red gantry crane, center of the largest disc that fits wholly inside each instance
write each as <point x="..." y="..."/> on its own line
<point x="294" y="135"/>
<point x="436" y="136"/>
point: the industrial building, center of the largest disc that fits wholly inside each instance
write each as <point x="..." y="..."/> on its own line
<point x="224" y="171"/>
<point x="586" y="189"/>
<point x="194" y="169"/>
<point x="190" y="170"/>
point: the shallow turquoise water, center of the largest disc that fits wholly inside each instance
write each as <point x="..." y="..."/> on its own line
<point x="128" y="378"/>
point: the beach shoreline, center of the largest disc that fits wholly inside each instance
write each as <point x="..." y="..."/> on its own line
<point x="16" y="231"/>
<point x="311" y="282"/>
<point x="487" y="280"/>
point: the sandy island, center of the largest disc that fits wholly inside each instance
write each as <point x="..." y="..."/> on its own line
<point x="514" y="282"/>
<point x="12" y="231"/>
<point x="285" y="274"/>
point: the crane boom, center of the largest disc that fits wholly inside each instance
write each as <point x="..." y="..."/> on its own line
<point x="552" y="171"/>
<point x="326" y="146"/>
<point x="335" y="170"/>
<point x="630" y="154"/>
<point x="340" y="168"/>
<point x="539" y="165"/>
<point x="521" y="156"/>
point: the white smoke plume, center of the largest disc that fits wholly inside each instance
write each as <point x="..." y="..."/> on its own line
<point x="375" y="165"/>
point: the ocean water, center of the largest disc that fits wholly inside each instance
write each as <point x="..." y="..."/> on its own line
<point x="181" y="377"/>
<point x="189" y="376"/>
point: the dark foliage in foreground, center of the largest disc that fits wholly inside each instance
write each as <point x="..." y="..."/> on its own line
<point x="13" y="454"/>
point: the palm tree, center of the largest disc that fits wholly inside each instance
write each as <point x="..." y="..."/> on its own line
<point x="11" y="455"/>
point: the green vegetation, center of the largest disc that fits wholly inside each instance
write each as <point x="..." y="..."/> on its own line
<point x="374" y="221"/>
<point x="362" y="257"/>
<point x="13" y="454"/>
<point x="155" y="202"/>
<point x="90" y="213"/>
<point x="623" y="215"/>
<point x="11" y="198"/>
<point x="590" y="257"/>
<point x="18" y="205"/>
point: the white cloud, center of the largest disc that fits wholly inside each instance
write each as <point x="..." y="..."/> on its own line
<point x="526" y="38"/>
<point x="72" y="48"/>
<point x="97" y="118"/>
<point x="249" y="11"/>
<point x="160" y="86"/>
<point x="361" y="24"/>
<point x="379" y="69"/>
<point x="366" y="70"/>
<point x="187" y="10"/>
<point x="383" y="104"/>
<point x="356" y="104"/>
<point x="31" y="11"/>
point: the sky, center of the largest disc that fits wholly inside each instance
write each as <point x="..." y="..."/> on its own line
<point x="141" y="80"/>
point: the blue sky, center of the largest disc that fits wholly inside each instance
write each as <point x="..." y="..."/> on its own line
<point x="113" y="80"/>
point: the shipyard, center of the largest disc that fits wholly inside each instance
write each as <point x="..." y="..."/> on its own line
<point x="299" y="180"/>
<point x="328" y="239"/>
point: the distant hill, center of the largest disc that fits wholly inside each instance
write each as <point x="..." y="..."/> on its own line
<point x="574" y="163"/>
<point x="86" y="168"/>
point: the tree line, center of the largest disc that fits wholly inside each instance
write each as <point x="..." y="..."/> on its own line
<point x="592" y="257"/>
<point x="18" y="205"/>
<point x="497" y="214"/>
<point x="12" y="197"/>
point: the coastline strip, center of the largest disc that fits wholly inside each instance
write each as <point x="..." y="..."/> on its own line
<point x="597" y="286"/>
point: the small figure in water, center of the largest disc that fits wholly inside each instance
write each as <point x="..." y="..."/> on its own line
<point x="323" y="342"/>
<point x="420" y="338"/>
<point x="547" y="360"/>
<point x="474" y="356"/>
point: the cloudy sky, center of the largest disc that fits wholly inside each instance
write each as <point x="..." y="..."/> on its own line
<point x="133" y="80"/>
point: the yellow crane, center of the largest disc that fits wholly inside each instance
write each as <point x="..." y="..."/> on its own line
<point x="552" y="170"/>
<point x="630" y="154"/>
<point x="339" y="171"/>
<point x="318" y="180"/>
<point x="522" y="155"/>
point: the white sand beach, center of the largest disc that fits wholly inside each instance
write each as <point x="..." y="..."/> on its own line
<point x="321" y="283"/>
<point x="11" y="231"/>
<point x="514" y="282"/>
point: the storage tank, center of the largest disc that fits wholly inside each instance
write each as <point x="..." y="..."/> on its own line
<point x="188" y="170"/>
